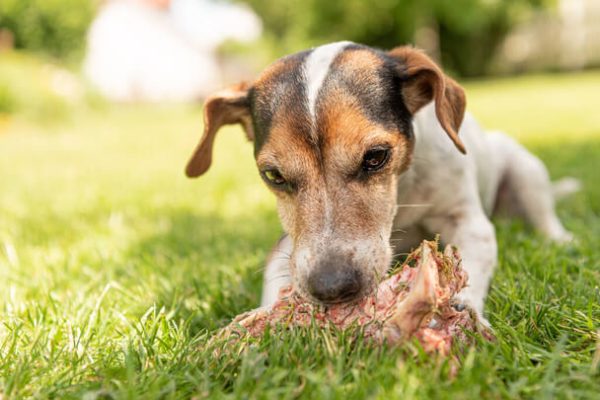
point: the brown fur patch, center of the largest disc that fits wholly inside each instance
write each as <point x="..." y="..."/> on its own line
<point x="360" y="62"/>
<point x="229" y="106"/>
<point x="348" y="133"/>
<point x="426" y="81"/>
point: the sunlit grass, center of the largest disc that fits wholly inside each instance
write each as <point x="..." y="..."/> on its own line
<point x="115" y="268"/>
<point x="544" y="108"/>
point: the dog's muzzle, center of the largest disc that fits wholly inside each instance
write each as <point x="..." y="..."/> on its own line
<point x="335" y="281"/>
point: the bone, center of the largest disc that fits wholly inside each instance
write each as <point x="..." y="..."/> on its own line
<point x="416" y="301"/>
<point x="420" y="302"/>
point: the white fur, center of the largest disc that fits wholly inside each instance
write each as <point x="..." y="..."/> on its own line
<point x="277" y="272"/>
<point x="445" y="192"/>
<point x="316" y="67"/>
<point x="565" y="187"/>
<point x="459" y="193"/>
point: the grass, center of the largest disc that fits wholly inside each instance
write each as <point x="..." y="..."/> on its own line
<point x="115" y="269"/>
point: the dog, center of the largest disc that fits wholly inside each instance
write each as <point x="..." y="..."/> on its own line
<point x="369" y="152"/>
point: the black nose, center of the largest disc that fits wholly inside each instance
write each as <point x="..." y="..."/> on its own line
<point x="334" y="285"/>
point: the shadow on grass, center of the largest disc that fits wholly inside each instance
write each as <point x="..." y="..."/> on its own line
<point x="206" y="268"/>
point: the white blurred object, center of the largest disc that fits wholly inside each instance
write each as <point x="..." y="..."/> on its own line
<point x="208" y="23"/>
<point x="140" y="51"/>
<point x="573" y="33"/>
<point x="565" y="37"/>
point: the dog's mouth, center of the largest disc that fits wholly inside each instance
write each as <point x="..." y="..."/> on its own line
<point x="348" y="298"/>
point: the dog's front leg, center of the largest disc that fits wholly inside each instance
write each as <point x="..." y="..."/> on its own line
<point x="277" y="272"/>
<point x="474" y="235"/>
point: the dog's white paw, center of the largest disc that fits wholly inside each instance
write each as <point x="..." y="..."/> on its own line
<point x="562" y="237"/>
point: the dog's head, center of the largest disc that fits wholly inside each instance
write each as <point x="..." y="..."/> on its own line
<point x="332" y="132"/>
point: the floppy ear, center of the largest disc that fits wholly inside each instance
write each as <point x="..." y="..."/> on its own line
<point x="229" y="106"/>
<point x="424" y="81"/>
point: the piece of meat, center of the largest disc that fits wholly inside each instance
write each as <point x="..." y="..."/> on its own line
<point x="416" y="300"/>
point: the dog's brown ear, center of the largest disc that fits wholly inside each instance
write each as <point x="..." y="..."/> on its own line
<point x="229" y="106"/>
<point x="424" y="81"/>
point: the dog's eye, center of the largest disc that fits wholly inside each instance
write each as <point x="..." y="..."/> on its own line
<point x="375" y="159"/>
<point x="273" y="177"/>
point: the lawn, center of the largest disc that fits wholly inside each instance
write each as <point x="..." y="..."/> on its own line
<point x="115" y="269"/>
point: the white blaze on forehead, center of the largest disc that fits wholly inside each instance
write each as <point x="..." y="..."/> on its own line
<point x="316" y="67"/>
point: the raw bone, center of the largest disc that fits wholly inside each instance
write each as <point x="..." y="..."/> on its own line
<point x="416" y="300"/>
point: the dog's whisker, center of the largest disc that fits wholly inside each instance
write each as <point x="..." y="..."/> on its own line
<point x="413" y="205"/>
<point x="282" y="252"/>
<point x="279" y="259"/>
<point x="280" y="276"/>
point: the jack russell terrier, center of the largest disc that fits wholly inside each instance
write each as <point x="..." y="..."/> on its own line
<point x="369" y="152"/>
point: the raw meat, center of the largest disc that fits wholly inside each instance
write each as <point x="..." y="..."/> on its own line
<point x="416" y="300"/>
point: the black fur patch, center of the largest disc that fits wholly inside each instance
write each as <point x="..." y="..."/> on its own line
<point x="282" y="95"/>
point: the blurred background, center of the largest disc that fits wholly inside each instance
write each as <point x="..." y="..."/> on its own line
<point x="55" y="54"/>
